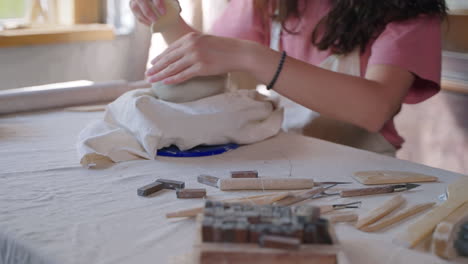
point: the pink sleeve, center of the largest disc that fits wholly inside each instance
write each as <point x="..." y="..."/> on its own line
<point x="240" y="20"/>
<point x="414" y="45"/>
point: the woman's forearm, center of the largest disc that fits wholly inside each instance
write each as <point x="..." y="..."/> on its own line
<point x="356" y="100"/>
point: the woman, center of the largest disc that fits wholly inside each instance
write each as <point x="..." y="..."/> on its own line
<point x="354" y="62"/>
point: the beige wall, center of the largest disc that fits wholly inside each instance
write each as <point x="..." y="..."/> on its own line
<point x="123" y="58"/>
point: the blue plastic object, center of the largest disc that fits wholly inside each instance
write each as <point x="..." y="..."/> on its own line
<point x="199" y="151"/>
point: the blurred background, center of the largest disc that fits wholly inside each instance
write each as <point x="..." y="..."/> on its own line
<point x="51" y="41"/>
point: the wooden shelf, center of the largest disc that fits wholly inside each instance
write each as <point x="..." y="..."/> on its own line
<point x="56" y="34"/>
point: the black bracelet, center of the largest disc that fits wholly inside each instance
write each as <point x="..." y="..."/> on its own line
<point x="278" y="71"/>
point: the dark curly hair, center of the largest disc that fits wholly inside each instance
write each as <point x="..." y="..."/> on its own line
<point x="352" y="24"/>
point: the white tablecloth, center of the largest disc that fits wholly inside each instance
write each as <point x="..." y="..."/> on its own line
<point x="54" y="211"/>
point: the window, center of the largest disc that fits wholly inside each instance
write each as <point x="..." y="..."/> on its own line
<point x="33" y="22"/>
<point x="12" y="12"/>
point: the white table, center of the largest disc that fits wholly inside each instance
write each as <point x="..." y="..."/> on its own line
<point x="52" y="209"/>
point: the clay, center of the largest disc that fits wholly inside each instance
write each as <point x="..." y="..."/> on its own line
<point x="193" y="89"/>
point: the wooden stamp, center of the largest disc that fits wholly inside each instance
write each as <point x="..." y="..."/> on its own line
<point x="244" y="174"/>
<point x="275" y="236"/>
<point x="208" y="180"/>
<point x="279" y="242"/>
<point x="307" y="214"/>
<point x="190" y="193"/>
<point x="171" y="184"/>
<point x="241" y="232"/>
<point x="207" y="229"/>
<point x="310" y="234"/>
<point x="150" y="189"/>
<point x="322" y="232"/>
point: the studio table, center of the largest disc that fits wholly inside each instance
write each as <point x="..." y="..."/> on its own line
<point x="54" y="211"/>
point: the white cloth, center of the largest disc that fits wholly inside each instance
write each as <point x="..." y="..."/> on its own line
<point x="137" y="124"/>
<point x="71" y="215"/>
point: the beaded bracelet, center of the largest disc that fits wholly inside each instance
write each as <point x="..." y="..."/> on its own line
<point x="278" y="71"/>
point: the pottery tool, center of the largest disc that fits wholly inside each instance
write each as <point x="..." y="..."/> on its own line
<point x="377" y="190"/>
<point x="368" y="191"/>
<point x="447" y="231"/>
<point x="333" y="207"/>
<point x="397" y="218"/>
<point x="378" y="213"/>
<point x="421" y="229"/>
<point x="262" y="183"/>
<point x="342" y="217"/>
<point x="391" y="177"/>
<point x="293" y="199"/>
<point x="255" y="200"/>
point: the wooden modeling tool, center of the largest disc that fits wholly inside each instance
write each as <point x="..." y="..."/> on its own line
<point x="261" y="183"/>
<point x="446" y="233"/>
<point x="391" y="177"/>
<point x="265" y="184"/>
<point x="378" y="213"/>
<point x="333" y="207"/>
<point x="377" y="190"/>
<point x="397" y="218"/>
<point x="457" y="195"/>
<point x="342" y="217"/>
<point x="256" y="200"/>
<point x="293" y="199"/>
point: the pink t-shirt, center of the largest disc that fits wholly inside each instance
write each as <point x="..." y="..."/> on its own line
<point x="414" y="45"/>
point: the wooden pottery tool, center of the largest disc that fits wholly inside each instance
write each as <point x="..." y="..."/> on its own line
<point x="378" y="213"/>
<point x="421" y="229"/>
<point x="293" y="199"/>
<point x="377" y="190"/>
<point x="342" y="217"/>
<point x="265" y="184"/>
<point x="330" y="208"/>
<point x="256" y="183"/>
<point x="257" y="200"/>
<point x="446" y="233"/>
<point x="262" y="183"/>
<point x="391" y="177"/>
<point x="397" y="218"/>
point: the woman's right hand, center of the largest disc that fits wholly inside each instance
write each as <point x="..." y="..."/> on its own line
<point x="146" y="11"/>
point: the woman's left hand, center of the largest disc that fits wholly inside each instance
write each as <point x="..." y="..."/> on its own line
<point x="196" y="54"/>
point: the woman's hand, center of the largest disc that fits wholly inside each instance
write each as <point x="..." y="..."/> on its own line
<point x="148" y="11"/>
<point x="196" y="54"/>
